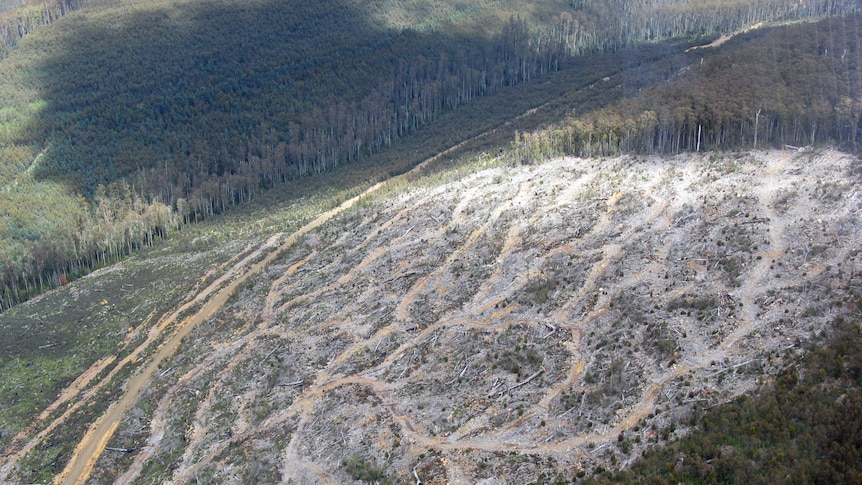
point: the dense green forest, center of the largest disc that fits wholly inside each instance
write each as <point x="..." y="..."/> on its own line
<point x="121" y="121"/>
<point x="797" y="85"/>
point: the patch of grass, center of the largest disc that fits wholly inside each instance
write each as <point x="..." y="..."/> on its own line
<point x="365" y="470"/>
<point x="48" y="458"/>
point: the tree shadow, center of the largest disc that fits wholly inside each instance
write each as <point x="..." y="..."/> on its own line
<point x="195" y="87"/>
<point x="185" y="85"/>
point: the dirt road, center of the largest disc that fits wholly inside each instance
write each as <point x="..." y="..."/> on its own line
<point x="214" y="297"/>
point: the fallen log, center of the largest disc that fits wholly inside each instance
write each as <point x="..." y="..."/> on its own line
<point x="120" y="450"/>
<point x="515" y="386"/>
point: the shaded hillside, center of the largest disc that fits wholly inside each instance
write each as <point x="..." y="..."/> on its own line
<point x="267" y="94"/>
<point x="795" y="85"/>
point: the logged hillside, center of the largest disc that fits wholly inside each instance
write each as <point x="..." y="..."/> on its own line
<point x="510" y="317"/>
<point x="121" y="121"/>
<point x="496" y="322"/>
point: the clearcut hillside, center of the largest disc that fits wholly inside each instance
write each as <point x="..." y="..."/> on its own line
<point x="639" y="263"/>
<point x="496" y="322"/>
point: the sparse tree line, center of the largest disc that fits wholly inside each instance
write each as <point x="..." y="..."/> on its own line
<point x="15" y="23"/>
<point x="179" y="166"/>
<point x="121" y="222"/>
<point x="798" y="85"/>
<point x="610" y="25"/>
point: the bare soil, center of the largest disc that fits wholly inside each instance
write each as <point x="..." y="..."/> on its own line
<point x="493" y="326"/>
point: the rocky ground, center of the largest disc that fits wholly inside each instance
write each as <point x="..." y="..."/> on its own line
<point x="489" y="327"/>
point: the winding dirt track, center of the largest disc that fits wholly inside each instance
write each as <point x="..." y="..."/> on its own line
<point x="95" y="440"/>
<point x="478" y="433"/>
<point x="214" y="297"/>
<point x="655" y="210"/>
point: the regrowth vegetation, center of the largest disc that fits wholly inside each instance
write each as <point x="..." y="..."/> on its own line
<point x="804" y="427"/>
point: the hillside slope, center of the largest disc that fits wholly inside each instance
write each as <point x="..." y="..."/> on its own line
<point x="519" y="315"/>
<point x="123" y="120"/>
<point x="502" y="321"/>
